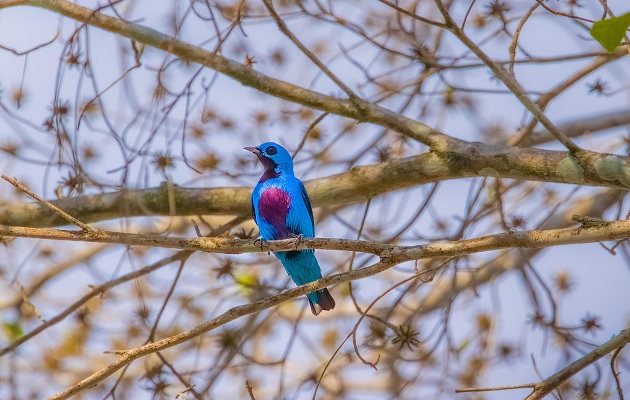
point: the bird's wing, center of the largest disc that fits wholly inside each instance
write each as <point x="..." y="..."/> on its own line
<point x="253" y="209"/>
<point x="307" y="203"/>
<point x="300" y="217"/>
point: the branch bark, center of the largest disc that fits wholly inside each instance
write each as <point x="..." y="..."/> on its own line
<point x="390" y="256"/>
<point x="351" y="108"/>
<point x="533" y="239"/>
<point x="582" y="126"/>
<point x="449" y="157"/>
<point x="445" y="291"/>
<point x="358" y="184"/>
<point x="128" y="356"/>
<point x="548" y="385"/>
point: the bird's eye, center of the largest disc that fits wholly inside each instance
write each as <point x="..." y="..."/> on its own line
<point x="272" y="151"/>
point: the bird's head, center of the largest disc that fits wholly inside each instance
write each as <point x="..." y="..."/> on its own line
<point x="275" y="158"/>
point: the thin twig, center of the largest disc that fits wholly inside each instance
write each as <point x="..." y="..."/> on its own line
<point x="308" y="53"/>
<point x="189" y="388"/>
<point x="312" y="126"/>
<point x="182" y="394"/>
<point x="517" y="33"/>
<point x="413" y="15"/>
<point x="96" y="291"/>
<point x="197" y="231"/>
<point x="57" y="210"/>
<point x="575" y="17"/>
<point x="550" y="384"/>
<point x="508" y="81"/>
<point x="154" y="327"/>
<point x="496" y="388"/>
<point x="250" y="390"/>
<point x="615" y="372"/>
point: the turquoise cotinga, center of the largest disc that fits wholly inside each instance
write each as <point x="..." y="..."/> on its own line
<point x="281" y="209"/>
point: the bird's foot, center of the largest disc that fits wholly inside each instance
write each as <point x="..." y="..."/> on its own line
<point x="300" y="239"/>
<point x="260" y="242"/>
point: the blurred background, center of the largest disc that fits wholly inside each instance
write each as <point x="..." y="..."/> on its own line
<point x="87" y="112"/>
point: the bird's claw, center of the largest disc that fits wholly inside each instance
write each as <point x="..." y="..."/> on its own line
<point x="259" y="242"/>
<point x="300" y="239"/>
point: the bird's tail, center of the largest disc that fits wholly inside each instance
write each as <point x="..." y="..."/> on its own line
<point x="302" y="267"/>
<point x="323" y="301"/>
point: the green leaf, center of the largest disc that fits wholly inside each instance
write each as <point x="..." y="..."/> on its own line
<point x="610" y="32"/>
<point x="12" y="330"/>
<point x="464" y="346"/>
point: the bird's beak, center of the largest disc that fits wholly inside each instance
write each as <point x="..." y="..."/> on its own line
<point x="254" y="150"/>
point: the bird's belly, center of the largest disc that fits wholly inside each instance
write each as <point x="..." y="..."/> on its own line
<point x="273" y="208"/>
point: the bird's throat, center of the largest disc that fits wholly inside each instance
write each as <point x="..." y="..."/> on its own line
<point x="270" y="173"/>
<point x="270" y="168"/>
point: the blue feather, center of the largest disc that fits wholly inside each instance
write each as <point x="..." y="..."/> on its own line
<point x="281" y="209"/>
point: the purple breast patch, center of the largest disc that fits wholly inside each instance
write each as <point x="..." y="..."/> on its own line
<point x="273" y="207"/>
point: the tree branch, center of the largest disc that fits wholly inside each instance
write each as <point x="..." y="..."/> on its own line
<point x="358" y="184"/>
<point x="548" y="385"/>
<point x="508" y="81"/>
<point x="533" y="239"/>
<point x="390" y="256"/>
<point x="355" y="108"/>
<point x="582" y="126"/>
<point x="128" y="356"/>
<point x="284" y="29"/>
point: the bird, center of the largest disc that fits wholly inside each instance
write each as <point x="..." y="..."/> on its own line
<point x="281" y="208"/>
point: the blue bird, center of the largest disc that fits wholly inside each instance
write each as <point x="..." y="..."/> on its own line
<point x="281" y="209"/>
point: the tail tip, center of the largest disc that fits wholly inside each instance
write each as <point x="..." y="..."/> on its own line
<point x="325" y="301"/>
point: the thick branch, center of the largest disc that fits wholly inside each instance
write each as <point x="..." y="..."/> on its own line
<point x="508" y="80"/>
<point x="598" y="232"/>
<point x="391" y="255"/>
<point x="450" y="158"/>
<point x="230" y="315"/>
<point x="355" y="108"/>
<point x="445" y="290"/>
<point x="358" y="184"/>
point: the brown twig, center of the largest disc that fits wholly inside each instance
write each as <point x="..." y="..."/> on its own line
<point x="182" y="394"/>
<point x="189" y="388"/>
<point x="308" y="53"/>
<point x="413" y="15"/>
<point x="369" y="307"/>
<point x="250" y="390"/>
<point x="508" y="81"/>
<point x="391" y="255"/>
<point x="548" y="385"/>
<point x="312" y="126"/>
<point x="495" y="388"/>
<point x="55" y="209"/>
<point x="592" y="230"/>
<point x="575" y="17"/>
<point x="515" y="37"/>
<point x="615" y="372"/>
